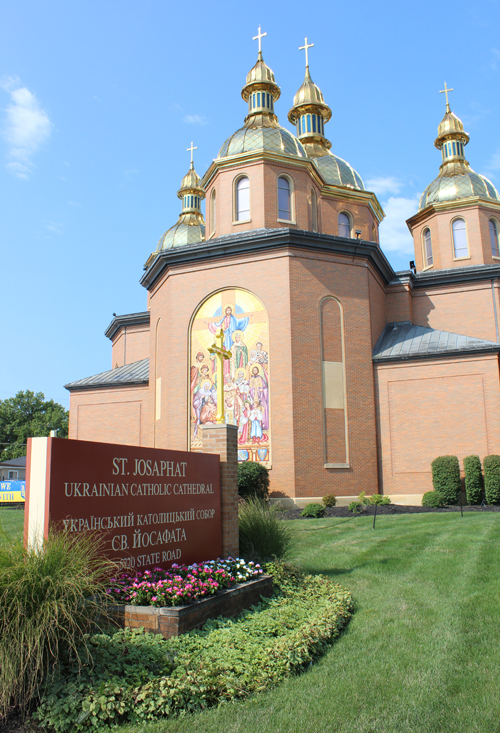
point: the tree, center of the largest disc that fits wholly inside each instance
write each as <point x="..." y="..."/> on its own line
<point x="28" y="415"/>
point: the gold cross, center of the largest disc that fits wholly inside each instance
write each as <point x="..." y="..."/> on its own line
<point x="305" y="48"/>
<point x="445" y="91"/>
<point x="259" y="37"/>
<point x="220" y="354"/>
<point x="192" y="149"/>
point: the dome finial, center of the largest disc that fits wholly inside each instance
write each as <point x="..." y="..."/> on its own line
<point x="306" y="48"/>
<point x="445" y="91"/>
<point x="259" y="38"/>
<point x="192" y="149"/>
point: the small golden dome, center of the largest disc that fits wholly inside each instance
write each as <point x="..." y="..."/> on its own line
<point x="261" y="77"/>
<point x="309" y="93"/>
<point x="191" y="183"/>
<point x="450" y="127"/>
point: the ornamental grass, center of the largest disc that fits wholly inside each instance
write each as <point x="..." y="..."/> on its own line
<point x="50" y="596"/>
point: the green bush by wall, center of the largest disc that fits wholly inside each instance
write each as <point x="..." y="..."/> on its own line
<point x="491" y="466"/>
<point x="474" y="483"/>
<point x="253" y="480"/>
<point x="432" y="499"/>
<point x="313" y="510"/>
<point x="446" y="478"/>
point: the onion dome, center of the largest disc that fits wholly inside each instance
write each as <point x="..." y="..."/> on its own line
<point x="456" y="179"/>
<point x="190" y="226"/>
<point x="261" y="130"/>
<point x="310" y="113"/>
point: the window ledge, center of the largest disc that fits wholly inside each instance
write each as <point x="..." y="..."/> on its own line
<point x="242" y="221"/>
<point x="457" y="259"/>
<point x="287" y="221"/>
<point x="495" y="257"/>
<point x="429" y="267"/>
<point x="337" y="465"/>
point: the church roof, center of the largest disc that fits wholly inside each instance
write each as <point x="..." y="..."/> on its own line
<point x="130" y="374"/>
<point x="404" y="340"/>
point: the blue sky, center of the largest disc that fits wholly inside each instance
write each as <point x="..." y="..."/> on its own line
<point x="99" y="101"/>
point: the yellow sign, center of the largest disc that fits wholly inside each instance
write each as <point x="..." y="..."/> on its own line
<point x="12" y="492"/>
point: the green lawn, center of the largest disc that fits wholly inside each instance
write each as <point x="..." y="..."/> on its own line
<point x="421" y="653"/>
<point x="11" y="522"/>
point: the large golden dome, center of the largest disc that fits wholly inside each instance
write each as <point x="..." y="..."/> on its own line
<point x="274" y="138"/>
<point x="338" y="172"/>
<point x="456" y="179"/>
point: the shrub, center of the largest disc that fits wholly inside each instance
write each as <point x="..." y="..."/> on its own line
<point x="474" y="484"/>
<point x="263" y="534"/>
<point x="329" y="500"/>
<point x="138" y="677"/>
<point x="491" y="466"/>
<point x="355" y="507"/>
<point x="253" y="480"/>
<point x="379" y="499"/>
<point x="50" y="595"/>
<point x="313" y="510"/>
<point x="432" y="499"/>
<point x="446" y="478"/>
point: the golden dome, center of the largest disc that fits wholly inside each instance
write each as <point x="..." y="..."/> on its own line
<point x="451" y="127"/>
<point x="309" y="94"/>
<point x="271" y="138"/>
<point x="191" y="183"/>
<point x="460" y="183"/>
<point x="260" y="77"/>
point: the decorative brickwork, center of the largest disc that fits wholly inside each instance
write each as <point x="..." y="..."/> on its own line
<point x="173" y="621"/>
<point x="222" y="439"/>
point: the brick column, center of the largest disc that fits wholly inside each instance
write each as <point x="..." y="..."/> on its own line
<point x="222" y="439"/>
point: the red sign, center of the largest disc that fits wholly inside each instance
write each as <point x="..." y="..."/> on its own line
<point x="153" y="507"/>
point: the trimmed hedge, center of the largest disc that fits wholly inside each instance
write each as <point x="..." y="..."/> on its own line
<point x="446" y="478"/>
<point x="474" y="484"/>
<point x="139" y="677"/>
<point x="253" y="480"/>
<point x="432" y="499"/>
<point x="491" y="466"/>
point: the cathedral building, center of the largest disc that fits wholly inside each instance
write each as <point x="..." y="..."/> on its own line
<point x="344" y="375"/>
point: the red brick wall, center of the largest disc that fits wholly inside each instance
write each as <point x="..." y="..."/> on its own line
<point x="130" y="344"/>
<point x="431" y="408"/>
<point x="110" y="415"/>
<point x="378" y="307"/>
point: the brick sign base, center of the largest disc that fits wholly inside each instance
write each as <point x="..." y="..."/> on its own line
<point x="173" y="621"/>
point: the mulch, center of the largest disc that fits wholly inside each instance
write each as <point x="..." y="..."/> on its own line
<point x="343" y="511"/>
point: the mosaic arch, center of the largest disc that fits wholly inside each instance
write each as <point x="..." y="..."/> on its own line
<point x="244" y="321"/>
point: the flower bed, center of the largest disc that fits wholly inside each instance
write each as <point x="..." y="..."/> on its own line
<point x="181" y="584"/>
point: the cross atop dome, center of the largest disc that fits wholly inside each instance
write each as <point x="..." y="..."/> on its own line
<point x="192" y="149"/>
<point x="259" y="38"/>
<point x="445" y="91"/>
<point x="306" y="48"/>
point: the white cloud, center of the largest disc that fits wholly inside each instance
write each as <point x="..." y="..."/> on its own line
<point x="26" y="126"/>
<point x="382" y="185"/>
<point x="394" y="233"/>
<point x="54" y="227"/>
<point x="195" y="120"/>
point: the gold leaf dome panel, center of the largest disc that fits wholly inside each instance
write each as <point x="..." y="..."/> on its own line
<point x="460" y="186"/>
<point x="187" y="231"/>
<point x="274" y="139"/>
<point x="338" y="172"/>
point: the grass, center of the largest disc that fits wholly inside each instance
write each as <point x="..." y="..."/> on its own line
<point x="421" y="654"/>
<point x="11" y="522"/>
<point x="42" y="607"/>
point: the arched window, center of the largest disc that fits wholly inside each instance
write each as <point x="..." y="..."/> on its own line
<point x="428" y="259"/>
<point x="284" y="199"/>
<point x="344" y="225"/>
<point x="494" y="238"/>
<point x="314" y="210"/>
<point x="213" y="211"/>
<point x="460" y="247"/>
<point x="242" y="199"/>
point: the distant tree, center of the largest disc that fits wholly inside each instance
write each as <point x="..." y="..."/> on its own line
<point x="28" y="415"/>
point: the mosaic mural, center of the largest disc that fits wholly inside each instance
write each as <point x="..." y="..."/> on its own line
<point x="243" y="319"/>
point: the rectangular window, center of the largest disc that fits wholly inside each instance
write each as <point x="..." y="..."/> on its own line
<point x="284" y="209"/>
<point x="258" y="99"/>
<point x="243" y="199"/>
<point x="268" y="105"/>
<point x="308" y="123"/>
<point x="314" y="123"/>
<point x="13" y="475"/>
<point x="454" y="149"/>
